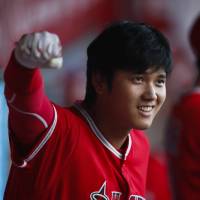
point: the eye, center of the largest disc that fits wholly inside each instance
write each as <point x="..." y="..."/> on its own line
<point x="160" y="82"/>
<point x="137" y="79"/>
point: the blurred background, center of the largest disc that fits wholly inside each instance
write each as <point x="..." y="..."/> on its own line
<point x="77" y="22"/>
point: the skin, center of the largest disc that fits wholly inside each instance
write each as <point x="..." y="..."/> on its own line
<point x="133" y="102"/>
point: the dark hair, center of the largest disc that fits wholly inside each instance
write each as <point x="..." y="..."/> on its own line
<point x="194" y="40"/>
<point x="126" y="46"/>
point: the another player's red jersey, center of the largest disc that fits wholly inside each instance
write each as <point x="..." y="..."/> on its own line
<point x="183" y="146"/>
<point x="72" y="160"/>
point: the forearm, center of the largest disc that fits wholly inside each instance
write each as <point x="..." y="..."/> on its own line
<point x="30" y="111"/>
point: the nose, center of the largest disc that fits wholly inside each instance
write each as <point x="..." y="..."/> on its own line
<point x="150" y="92"/>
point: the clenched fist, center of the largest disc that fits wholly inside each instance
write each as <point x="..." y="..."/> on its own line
<point x="39" y="49"/>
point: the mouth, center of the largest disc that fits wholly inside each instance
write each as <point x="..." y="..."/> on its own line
<point x="146" y="110"/>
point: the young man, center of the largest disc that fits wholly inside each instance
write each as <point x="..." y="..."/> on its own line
<point x="182" y="135"/>
<point x="90" y="150"/>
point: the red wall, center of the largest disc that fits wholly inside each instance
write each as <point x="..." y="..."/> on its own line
<point x="69" y="19"/>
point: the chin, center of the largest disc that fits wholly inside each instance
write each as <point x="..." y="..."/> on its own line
<point x="143" y="126"/>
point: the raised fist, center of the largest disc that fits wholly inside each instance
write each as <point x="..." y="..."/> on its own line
<point x="39" y="49"/>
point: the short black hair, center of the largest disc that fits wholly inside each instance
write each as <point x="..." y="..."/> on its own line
<point x="194" y="40"/>
<point x="129" y="46"/>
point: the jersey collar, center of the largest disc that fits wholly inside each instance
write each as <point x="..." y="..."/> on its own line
<point x="100" y="136"/>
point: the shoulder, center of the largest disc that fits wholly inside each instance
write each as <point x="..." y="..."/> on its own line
<point x="140" y="151"/>
<point x="69" y="118"/>
<point x="140" y="136"/>
<point x="140" y="140"/>
<point x="67" y="113"/>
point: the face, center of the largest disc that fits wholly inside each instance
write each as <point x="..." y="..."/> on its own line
<point x="135" y="99"/>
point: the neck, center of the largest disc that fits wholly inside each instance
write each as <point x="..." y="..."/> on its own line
<point x="109" y="128"/>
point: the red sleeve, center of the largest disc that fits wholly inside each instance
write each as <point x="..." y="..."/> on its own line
<point x="188" y="164"/>
<point x="30" y="111"/>
<point x="184" y="144"/>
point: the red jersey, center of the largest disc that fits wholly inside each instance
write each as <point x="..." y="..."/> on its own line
<point x="158" y="185"/>
<point x="70" y="159"/>
<point x="183" y="146"/>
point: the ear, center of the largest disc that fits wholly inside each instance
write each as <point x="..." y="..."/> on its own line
<point x="98" y="83"/>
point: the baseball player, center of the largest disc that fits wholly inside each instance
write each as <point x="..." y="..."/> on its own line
<point x="94" y="149"/>
<point x="183" y="134"/>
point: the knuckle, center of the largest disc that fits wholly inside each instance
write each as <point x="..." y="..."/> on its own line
<point x="47" y="34"/>
<point x="57" y="39"/>
<point x="37" y="35"/>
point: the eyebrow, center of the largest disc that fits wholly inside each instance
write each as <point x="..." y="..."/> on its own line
<point x="162" y="75"/>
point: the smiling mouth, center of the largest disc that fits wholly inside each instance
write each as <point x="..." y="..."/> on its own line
<point x="145" y="109"/>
